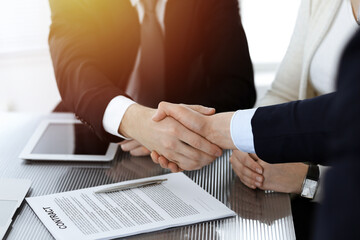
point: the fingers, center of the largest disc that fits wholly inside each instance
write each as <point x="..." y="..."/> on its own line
<point x="248" y="161"/>
<point x="245" y="179"/>
<point x="129" y="145"/>
<point x="159" y="159"/>
<point x="186" y="116"/>
<point x="155" y="157"/>
<point x="140" y="151"/>
<point x="134" y="147"/>
<point x="201" y="109"/>
<point x="182" y="146"/>
<point x="165" y="163"/>
<point x="174" y="167"/>
<point x="193" y="159"/>
<point x="185" y="157"/>
<point x="244" y="167"/>
<point x="169" y="109"/>
<point x="200" y="143"/>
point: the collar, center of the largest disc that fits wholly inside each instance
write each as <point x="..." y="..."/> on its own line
<point x="136" y="2"/>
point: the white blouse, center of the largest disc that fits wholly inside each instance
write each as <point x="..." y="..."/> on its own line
<point x="324" y="66"/>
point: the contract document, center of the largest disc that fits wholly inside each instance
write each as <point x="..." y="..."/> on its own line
<point x="84" y="214"/>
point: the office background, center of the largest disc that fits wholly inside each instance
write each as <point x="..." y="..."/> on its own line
<point x="27" y="81"/>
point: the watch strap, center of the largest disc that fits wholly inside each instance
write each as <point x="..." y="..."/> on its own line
<point x="313" y="172"/>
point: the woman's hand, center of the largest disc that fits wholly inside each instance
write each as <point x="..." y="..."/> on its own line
<point x="287" y="178"/>
<point x="248" y="170"/>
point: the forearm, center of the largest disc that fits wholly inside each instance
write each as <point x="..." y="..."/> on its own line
<point x="218" y="130"/>
<point x="294" y="131"/>
<point x="131" y="125"/>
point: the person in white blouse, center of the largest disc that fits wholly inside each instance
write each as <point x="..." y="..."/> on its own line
<point x="308" y="69"/>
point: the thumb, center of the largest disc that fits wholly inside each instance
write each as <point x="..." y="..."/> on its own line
<point x="201" y="109"/>
<point x="162" y="111"/>
<point x="167" y="109"/>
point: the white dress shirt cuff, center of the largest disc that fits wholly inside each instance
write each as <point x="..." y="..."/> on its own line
<point x="241" y="130"/>
<point x="114" y="113"/>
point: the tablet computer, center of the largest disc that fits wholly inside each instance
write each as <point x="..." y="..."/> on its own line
<point x="67" y="140"/>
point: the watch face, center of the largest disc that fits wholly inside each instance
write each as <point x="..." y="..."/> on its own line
<point x="309" y="188"/>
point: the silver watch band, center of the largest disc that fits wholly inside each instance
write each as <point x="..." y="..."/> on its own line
<point x="310" y="183"/>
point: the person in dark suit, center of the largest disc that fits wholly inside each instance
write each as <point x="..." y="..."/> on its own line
<point x="322" y="130"/>
<point x="110" y="55"/>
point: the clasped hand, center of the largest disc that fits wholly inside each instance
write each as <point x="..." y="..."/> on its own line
<point x="213" y="127"/>
<point x="188" y="137"/>
<point x="168" y="137"/>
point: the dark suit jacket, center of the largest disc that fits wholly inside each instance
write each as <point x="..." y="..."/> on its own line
<point x="322" y="130"/>
<point x="94" y="44"/>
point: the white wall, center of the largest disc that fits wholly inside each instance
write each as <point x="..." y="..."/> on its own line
<point x="268" y="25"/>
<point x="27" y="81"/>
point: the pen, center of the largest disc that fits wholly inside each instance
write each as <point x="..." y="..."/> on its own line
<point x="131" y="185"/>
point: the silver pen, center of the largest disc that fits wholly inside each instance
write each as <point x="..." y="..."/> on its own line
<point x="131" y="185"/>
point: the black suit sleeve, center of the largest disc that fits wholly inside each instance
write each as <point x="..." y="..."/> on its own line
<point x="88" y="65"/>
<point x="339" y="214"/>
<point x="227" y="58"/>
<point x="294" y="131"/>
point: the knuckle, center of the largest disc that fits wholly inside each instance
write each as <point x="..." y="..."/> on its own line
<point x="253" y="176"/>
<point x="170" y="156"/>
<point x="253" y="166"/>
<point x="162" y="104"/>
<point x="173" y="130"/>
<point x="196" y="143"/>
<point x="194" y="155"/>
<point x="169" y="145"/>
<point x="209" y="159"/>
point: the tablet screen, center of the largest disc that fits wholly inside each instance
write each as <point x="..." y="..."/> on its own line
<point x="69" y="138"/>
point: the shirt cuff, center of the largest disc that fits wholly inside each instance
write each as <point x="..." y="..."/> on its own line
<point x="241" y="130"/>
<point x="114" y="113"/>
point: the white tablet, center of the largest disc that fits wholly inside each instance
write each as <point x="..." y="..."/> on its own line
<point x="67" y="140"/>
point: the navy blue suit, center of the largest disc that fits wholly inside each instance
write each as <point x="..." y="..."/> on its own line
<point x="323" y="130"/>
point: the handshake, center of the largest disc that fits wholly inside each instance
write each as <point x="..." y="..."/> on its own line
<point x="189" y="137"/>
<point x="179" y="137"/>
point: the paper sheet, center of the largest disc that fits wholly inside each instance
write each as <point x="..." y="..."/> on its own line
<point x="83" y="214"/>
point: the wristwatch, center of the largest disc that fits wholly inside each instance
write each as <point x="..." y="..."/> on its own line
<point x="310" y="183"/>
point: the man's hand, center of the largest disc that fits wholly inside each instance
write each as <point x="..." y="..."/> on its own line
<point x="287" y="178"/>
<point x="134" y="147"/>
<point x="164" y="163"/>
<point x="215" y="128"/>
<point x="168" y="138"/>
